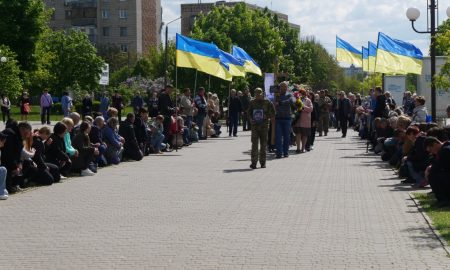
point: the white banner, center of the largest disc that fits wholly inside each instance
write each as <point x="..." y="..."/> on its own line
<point x="269" y="80"/>
<point x="104" y="76"/>
<point x="396" y="85"/>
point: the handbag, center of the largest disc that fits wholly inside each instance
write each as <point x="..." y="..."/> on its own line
<point x="26" y="107"/>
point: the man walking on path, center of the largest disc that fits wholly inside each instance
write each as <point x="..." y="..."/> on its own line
<point x="283" y="106"/>
<point x="260" y="110"/>
<point x="343" y="112"/>
<point x="325" y="104"/>
<point x="66" y="104"/>
<point x="234" y="108"/>
<point x="46" y="105"/>
<point x="117" y="102"/>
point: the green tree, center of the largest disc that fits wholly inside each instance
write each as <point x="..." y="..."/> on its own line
<point x="116" y="59"/>
<point x="21" y="25"/>
<point x="66" y="60"/>
<point x="253" y="30"/>
<point x="442" y="80"/>
<point x="10" y="83"/>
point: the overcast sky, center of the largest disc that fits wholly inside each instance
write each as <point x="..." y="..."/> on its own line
<point x="356" y="21"/>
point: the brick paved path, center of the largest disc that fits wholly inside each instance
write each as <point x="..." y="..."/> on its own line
<point x="201" y="208"/>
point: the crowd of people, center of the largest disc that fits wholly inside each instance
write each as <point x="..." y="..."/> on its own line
<point x="82" y="142"/>
<point x="405" y="137"/>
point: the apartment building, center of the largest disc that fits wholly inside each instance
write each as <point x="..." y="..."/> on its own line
<point x="132" y="25"/>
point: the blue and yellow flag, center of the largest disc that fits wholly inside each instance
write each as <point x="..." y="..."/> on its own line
<point x="250" y="65"/>
<point x="372" y="56"/>
<point x="365" y="59"/>
<point x="397" y="57"/>
<point x="204" y="57"/>
<point x="235" y="66"/>
<point x="347" y="53"/>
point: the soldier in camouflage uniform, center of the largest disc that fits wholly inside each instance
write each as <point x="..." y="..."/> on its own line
<point x="325" y="104"/>
<point x="260" y="110"/>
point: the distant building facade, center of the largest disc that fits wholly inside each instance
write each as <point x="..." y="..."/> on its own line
<point x="132" y="25"/>
<point x="352" y="71"/>
<point x="189" y="13"/>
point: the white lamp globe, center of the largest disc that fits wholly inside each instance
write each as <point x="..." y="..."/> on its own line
<point x="3" y="59"/>
<point x="413" y="13"/>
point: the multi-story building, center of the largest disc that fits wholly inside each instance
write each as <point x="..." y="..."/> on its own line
<point x="132" y="25"/>
<point x="189" y="13"/>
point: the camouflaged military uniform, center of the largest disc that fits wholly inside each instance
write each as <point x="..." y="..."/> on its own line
<point x="259" y="113"/>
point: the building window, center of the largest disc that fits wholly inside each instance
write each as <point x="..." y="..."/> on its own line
<point x="123" y="14"/>
<point x="124" y="47"/>
<point x="68" y="14"/>
<point x="105" y="14"/>
<point x="106" y="31"/>
<point x="123" y="31"/>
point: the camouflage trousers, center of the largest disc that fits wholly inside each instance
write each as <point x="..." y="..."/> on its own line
<point x="259" y="136"/>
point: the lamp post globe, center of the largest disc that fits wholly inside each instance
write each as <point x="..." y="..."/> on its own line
<point x="413" y="13"/>
<point x="3" y="59"/>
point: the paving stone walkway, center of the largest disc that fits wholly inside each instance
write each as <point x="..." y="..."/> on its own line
<point x="202" y="208"/>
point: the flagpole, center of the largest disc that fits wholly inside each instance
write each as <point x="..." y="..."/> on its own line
<point x="176" y="108"/>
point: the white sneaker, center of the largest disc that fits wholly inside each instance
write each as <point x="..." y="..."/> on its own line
<point x="87" y="172"/>
<point x="4" y="197"/>
<point x="62" y="177"/>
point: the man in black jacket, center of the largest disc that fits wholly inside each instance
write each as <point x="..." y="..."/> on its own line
<point x="131" y="146"/>
<point x="344" y="109"/>
<point x="167" y="108"/>
<point x="11" y="153"/>
<point x="245" y="102"/>
<point x="234" y="109"/>
<point x="380" y="107"/>
<point x="47" y="173"/>
<point x="141" y="130"/>
<point x="439" y="172"/>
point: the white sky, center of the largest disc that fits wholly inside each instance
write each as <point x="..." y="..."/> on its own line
<point x="356" y="21"/>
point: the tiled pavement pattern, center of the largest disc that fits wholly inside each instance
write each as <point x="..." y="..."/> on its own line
<point x="201" y="208"/>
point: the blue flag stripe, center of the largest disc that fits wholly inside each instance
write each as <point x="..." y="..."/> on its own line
<point x="340" y="43"/>
<point x="399" y="47"/>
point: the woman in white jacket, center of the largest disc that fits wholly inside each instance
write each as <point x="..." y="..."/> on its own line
<point x="420" y="111"/>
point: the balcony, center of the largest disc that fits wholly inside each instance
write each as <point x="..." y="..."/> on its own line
<point x="81" y="3"/>
<point x="84" y="21"/>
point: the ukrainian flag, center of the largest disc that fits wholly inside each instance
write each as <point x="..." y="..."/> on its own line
<point x="204" y="57"/>
<point x="372" y="56"/>
<point x="397" y="57"/>
<point x="236" y="66"/>
<point x="249" y="64"/>
<point x="347" y="53"/>
<point x="365" y="59"/>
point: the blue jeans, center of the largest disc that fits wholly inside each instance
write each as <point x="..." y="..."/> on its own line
<point x="413" y="173"/>
<point x="157" y="142"/>
<point x="2" y="180"/>
<point x="233" y="123"/>
<point x="200" y="120"/>
<point x="188" y="123"/>
<point x="282" y="136"/>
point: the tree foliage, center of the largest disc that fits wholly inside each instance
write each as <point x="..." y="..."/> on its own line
<point x="10" y="83"/>
<point x="21" y="25"/>
<point x="442" y="80"/>
<point x="67" y="60"/>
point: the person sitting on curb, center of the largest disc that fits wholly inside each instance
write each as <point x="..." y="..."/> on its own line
<point x="55" y="152"/>
<point x="3" y="191"/>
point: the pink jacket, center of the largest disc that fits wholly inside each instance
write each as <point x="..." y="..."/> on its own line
<point x="305" y="116"/>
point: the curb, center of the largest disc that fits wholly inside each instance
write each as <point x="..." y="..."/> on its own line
<point x="443" y="242"/>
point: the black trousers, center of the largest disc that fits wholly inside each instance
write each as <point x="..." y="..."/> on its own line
<point x="45" y="112"/>
<point x="311" y="138"/>
<point x="6" y="114"/>
<point x="344" y="124"/>
<point x="440" y="185"/>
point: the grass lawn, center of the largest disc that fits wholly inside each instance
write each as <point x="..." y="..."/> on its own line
<point x="439" y="216"/>
<point x="35" y="114"/>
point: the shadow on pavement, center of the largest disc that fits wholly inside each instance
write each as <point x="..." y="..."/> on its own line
<point x="237" y="170"/>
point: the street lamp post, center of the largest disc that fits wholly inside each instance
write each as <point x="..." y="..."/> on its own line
<point x="413" y="14"/>
<point x="166" y="51"/>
